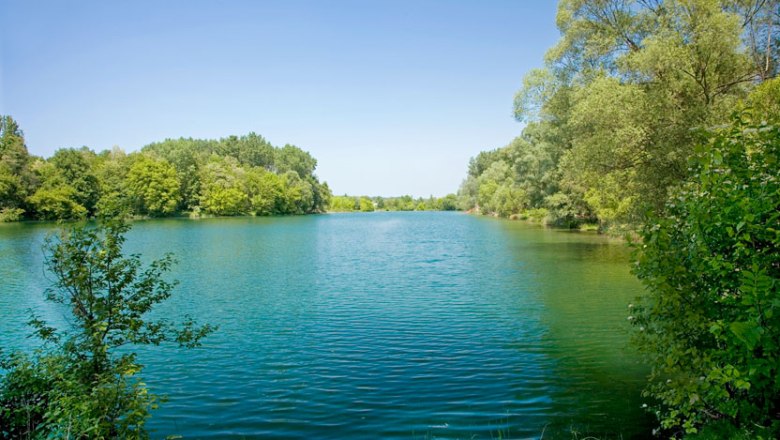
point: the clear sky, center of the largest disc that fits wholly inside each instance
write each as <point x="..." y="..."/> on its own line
<point x="391" y="97"/>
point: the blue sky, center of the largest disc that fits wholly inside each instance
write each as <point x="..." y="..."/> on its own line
<point x="391" y="97"/>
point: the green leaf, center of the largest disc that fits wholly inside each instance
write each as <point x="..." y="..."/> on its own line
<point x="747" y="332"/>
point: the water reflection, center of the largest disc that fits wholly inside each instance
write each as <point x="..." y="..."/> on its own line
<point x="584" y="283"/>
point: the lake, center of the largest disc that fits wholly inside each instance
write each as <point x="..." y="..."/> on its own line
<point x="380" y="325"/>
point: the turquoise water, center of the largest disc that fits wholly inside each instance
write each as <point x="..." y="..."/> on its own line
<point x="381" y="325"/>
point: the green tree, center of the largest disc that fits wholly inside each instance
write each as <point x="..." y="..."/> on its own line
<point x="111" y="168"/>
<point x="222" y="183"/>
<point x="12" y="194"/>
<point x="612" y="118"/>
<point x="234" y="175"/>
<point x="298" y="194"/>
<point x="188" y="156"/>
<point x="366" y="204"/>
<point x="710" y="321"/>
<point x="267" y="193"/>
<point x="75" y="168"/>
<point x="15" y="175"/>
<point x="57" y="203"/>
<point x="292" y="158"/>
<point x="508" y="199"/>
<point x="254" y="150"/>
<point x="320" y="194"/>
<point x="764" y="100"/>
<point x="449" y="203"/>
<point x="55" y="198"/>
<point x="153" y="186"/>
<point x="344" y="203"/>
<point x="84" y="383"/>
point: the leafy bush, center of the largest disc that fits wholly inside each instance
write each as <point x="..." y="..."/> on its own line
<point x="11" y="214"/>
<point x="710" y="324"/>
<point x="561" y="211"/>
<point x="538" y="215"/>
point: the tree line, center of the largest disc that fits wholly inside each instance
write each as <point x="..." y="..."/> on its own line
<point x="236" y="175"/>
<point x="347" y="203"/>
<point x="613" y="117"/>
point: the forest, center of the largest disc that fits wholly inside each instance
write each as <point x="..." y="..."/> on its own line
<point x="236" y="175"/>
<point x="613" y="117"/>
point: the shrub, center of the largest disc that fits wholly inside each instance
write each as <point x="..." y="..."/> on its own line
<point x="709" y="323"/>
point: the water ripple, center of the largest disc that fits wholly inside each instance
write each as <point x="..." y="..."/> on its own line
<point x="407" y="325"/>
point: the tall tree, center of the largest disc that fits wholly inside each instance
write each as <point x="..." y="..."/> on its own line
<point x="613" y="117"/>
<point x="75" y="168"/>
<point x="15" y="175"/>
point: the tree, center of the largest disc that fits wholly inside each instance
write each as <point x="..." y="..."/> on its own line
<point x="57" y="202"/>
<point x="297" y="194"/>
<point x="75" y="168"/>
<point x="265" y="190"/>
<point x="320" y="194"/>
<point x="449" y="202"/>
<point x="84" y="383"/>
<point x="764" y="100"/>
<point x="614" y="115"/>
<point x="292" y="158"/>
<point x="153" y="186"/>
<point x="234" y="175"/>
<point x="111" y="168"/>
<point x="55" y="198"/>
<point x="344" y="203"/>
<point x="15" y="175"/>
<point x="366" y="204"/>
<point x="222" y="180"/>
<point x="12" y="194"/>
<point x="709" y="324"/>
<point x="254" y="150"/>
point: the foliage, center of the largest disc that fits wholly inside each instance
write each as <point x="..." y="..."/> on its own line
<point x="448" y="203"/>
<point x="764" y="100"/>
<point x="11" y="214"/>
<point x="222" y="192"/>
<point x="347" y="203"/>
<point x="15" y="176"/>
<point x="111" y="169"/>
<point x="561" y="211"/>
<point x="298" y="194"/>
<point x="153" y="186"/>
<point x="265" y="191"/>
<point x="246" y="174"/>
<point x="75" y="168"/>
<point x="538" y="215"/>
<point x="52" y="202"/>
<point x="235" y="175"/>
<point x="613" y="117"/>
<point x="710" y="323"/>
<point x="292" y="158"/>
<point x="344" y="203"/>
<point x="366" y="204"/>
<point x="83" y="383"/>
